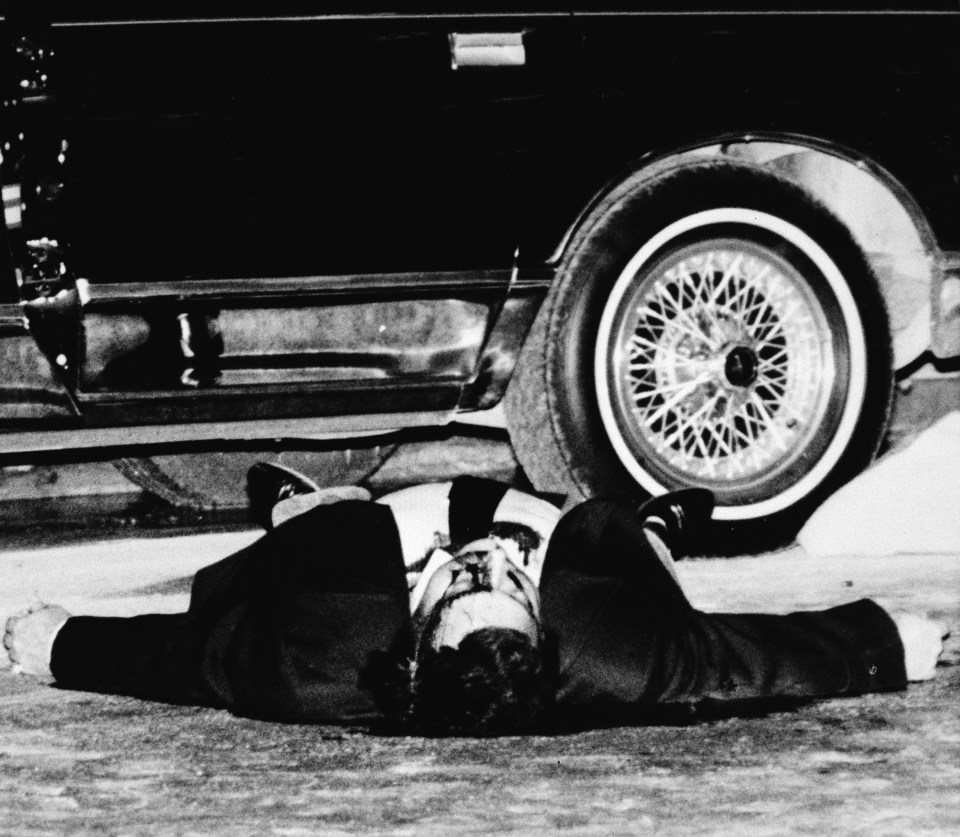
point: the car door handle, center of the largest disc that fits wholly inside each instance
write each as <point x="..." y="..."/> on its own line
<point x="487" y="49"/>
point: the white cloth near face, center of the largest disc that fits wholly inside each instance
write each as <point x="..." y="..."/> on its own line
<point x="422" y="514"/>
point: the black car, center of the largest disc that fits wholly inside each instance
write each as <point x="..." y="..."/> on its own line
<point x="667" y="244"/>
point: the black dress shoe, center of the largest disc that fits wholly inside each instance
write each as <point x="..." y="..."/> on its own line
<point x="268" y="484"/>
<point x="681" y="517"/>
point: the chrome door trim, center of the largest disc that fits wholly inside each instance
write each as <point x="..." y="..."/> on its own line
<point x="214" y="290"/>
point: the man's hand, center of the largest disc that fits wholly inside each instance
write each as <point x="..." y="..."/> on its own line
<point x="29" y="638"/>
<point x="922" y="640"/>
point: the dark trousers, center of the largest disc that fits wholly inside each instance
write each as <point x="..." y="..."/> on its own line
<point x="632" y="647"/>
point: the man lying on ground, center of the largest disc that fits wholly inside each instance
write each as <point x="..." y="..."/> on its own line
<point x="469" y="608"/>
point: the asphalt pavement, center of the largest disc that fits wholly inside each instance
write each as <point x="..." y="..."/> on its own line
<point x="77" y="763"/>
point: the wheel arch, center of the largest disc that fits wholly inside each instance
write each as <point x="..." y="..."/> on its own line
<point x="881" y="214"/>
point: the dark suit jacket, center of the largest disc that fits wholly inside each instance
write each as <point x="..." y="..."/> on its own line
<point x="283" y="628"/>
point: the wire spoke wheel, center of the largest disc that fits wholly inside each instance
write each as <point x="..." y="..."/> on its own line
<point x="722" y="365"/>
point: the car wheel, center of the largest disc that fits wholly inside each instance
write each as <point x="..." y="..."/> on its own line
<point x="713" y="326"/>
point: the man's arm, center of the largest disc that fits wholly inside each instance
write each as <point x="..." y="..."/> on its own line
<point x="242" y="662"/>
<point x="153" y="656"/>
<point x="630" y="639"/>
<point x="279" y="630"/>
<point x="850" y="649"/>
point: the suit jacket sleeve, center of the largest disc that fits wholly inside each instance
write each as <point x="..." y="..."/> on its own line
<point x="630" y="641"/>
<point x="280" y="630"/>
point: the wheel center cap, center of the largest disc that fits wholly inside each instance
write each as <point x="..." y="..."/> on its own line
<point x="741" y="366"/>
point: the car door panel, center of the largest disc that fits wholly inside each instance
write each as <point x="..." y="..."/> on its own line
<point x="263" y="149"/>
<point x="247" y="154"/>
<point x="324" y="201"/>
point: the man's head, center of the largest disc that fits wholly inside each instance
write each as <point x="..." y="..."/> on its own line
<point x="479" y="665"/>
<point x="482" y="586"/>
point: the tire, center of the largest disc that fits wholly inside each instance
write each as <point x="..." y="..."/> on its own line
<point x="711" y="326"/>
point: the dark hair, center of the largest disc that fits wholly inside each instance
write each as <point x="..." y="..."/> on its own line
<point x="497" y="681"/>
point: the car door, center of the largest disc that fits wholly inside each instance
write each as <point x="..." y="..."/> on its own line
<point x="276" y="215"/>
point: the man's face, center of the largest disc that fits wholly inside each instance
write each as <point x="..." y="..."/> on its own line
<point x="481" y="587"/>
